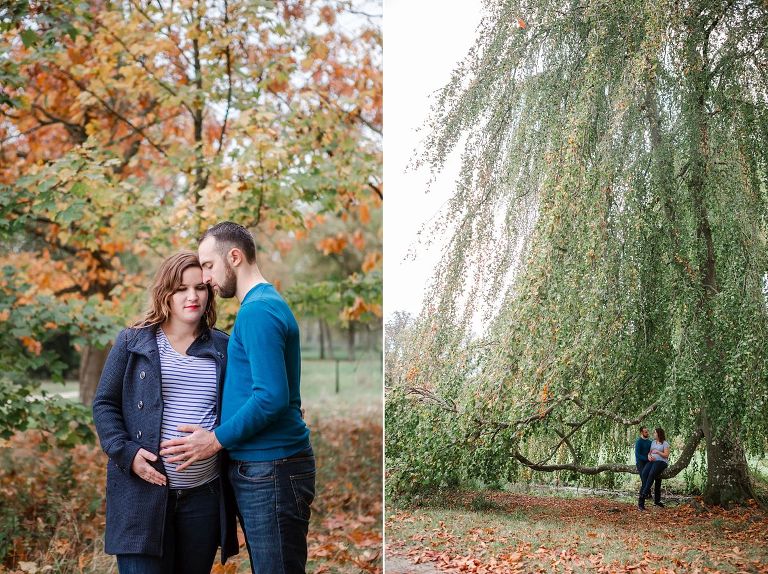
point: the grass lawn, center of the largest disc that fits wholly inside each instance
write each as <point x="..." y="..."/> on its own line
<point x="503" y="532"/>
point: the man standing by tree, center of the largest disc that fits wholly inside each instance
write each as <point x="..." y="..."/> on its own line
<point x="642" y="448"/>
<point x="272" y="466"/>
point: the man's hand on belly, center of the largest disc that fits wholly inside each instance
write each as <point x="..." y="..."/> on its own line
<point x="199" y="445"/>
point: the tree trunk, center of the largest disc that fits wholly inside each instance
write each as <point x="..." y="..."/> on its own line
<point x="728" y="481"/>
<point x="727" y="472"/>
<point x="322" y="339"/>
<point x="91" y="364"/>
<point x="351" y="341"/>
<point x="331" y="354"/>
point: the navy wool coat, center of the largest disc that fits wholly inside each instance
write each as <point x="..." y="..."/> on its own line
<point x="128" y="411"/>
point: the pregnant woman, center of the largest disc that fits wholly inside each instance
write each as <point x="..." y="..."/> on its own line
<point x="165" y="371"/>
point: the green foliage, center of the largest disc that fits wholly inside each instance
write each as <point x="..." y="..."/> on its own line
<point x="611" y="219"/>
<point x="25" y="407"/>
<point x="324" y="298"/>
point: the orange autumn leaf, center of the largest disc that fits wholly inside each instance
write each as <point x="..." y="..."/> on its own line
<point x="372" y="261"/>
<point x="355" y="311"/>
<point x="358" y="240"/>
<point x="333" y="244"/>
<point x="32" y="345"/>
<point x="521" y="23"/>
<point x="363" y="214"/>
<point x="328" y="15"/>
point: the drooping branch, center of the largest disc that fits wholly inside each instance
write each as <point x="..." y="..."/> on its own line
<point x="450" y="405"/>
<point x="618" y="418"/>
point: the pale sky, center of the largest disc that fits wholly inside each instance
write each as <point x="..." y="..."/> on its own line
<point x="423" y="42"/>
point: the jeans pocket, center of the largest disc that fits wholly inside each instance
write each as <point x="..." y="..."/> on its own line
<point x="256" y="471"/>
<point x="303" y="486"/>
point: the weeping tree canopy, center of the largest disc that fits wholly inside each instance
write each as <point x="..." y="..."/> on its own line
<point x="609" y="228"/>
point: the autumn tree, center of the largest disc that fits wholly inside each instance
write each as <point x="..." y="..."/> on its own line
<point x="608" y="229"/>
<point x="127" y="128"/>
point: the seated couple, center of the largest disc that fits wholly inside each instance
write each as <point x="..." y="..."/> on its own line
<point x="651" y="458"/>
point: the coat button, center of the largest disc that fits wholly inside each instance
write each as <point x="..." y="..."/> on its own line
<point x="142" y="374"/>
<point x="141" y="404"/>
<point x="138" y="434"/>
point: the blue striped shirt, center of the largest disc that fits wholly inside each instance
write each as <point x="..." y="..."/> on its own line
<point x="189" y="397"/>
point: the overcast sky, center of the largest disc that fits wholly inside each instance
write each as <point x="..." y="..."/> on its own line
<point x="423" y="41"/>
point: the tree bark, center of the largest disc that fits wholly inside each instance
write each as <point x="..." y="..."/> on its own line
<point x="322" y="339"/>
<point x="331" y="353"/>
<point x="728" y="480"/>
<point x="351" y="341"/>
<point x="91" y="364"/>
<point x="727" y="473"/>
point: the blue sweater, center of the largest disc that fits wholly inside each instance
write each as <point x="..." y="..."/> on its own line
<point x="642" y="448"/>
<point x="261" y="404"/>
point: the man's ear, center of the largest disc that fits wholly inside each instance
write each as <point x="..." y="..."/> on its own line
<point x="235" y="257"/>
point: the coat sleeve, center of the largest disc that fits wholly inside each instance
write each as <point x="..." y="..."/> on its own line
<point x="108" y="407"/>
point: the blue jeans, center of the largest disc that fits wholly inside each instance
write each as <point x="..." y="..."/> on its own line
<point x="650" y="475"/>
<point x="190" y="537"/>
<point x="273" y="501"/>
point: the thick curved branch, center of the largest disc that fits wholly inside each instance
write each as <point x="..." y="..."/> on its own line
<point x="682" y="462"/>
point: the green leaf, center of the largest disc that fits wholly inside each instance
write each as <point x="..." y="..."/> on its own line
<point x="29" y="38"/>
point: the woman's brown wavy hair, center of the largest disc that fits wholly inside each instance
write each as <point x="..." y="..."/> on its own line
<point x="167" y="280"/>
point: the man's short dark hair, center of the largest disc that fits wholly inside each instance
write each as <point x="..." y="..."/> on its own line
<point x="642" y="428"/>
<point x="228" y="235"/>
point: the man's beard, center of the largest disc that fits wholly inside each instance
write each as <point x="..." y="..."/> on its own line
<point x="228" y="289"/>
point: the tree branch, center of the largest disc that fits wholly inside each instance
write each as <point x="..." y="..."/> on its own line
<point x="376" y="189"/>
<point x="685" y="458"/>
<point x="228" y="56"/>
<point x="111" y="110"/>
<point x="618" y="418"/>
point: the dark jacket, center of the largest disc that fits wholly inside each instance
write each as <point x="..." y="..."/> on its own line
<point x="128" y="412"/>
